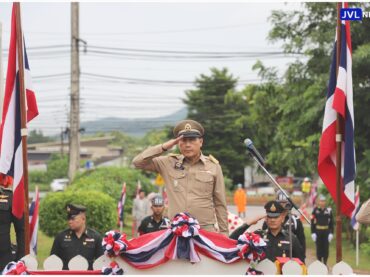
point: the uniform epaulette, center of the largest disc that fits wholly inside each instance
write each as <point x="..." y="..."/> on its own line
<point x="173" y="155"/>
<point x="213" y="159"/>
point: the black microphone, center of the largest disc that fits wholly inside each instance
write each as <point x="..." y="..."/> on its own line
<point x="253" y="151"/>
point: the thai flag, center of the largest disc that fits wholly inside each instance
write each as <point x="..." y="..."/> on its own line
<point x="11" y="160"/>
<point x="339" y="100"/>
<point x="354" y="222"/>
<point x="121" y="204"/>
<point x="313" y="194"/>
<point x="34" y="222"/>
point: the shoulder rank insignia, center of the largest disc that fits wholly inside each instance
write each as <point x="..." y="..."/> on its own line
<point x="213" y="159"/>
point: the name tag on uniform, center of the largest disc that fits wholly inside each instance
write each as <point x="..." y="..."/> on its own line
<point x="285" y="242"/>
<point x="4" y="205"/>
<point x="89" y="240"/>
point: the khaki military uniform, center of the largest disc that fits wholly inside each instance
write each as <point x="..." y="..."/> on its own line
<point x="198" y="189"/>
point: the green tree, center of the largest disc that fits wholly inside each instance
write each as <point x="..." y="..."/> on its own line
<point x="36" y="136"/>
<point x="109" y="180"/>
<point x="310" y="32"/>
<point x="211" y="103"/>
<point x="57" y="167"/>
<point x="101" y="213"/>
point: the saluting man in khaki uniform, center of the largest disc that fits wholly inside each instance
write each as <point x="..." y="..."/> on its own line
<point x="194" y="182"/>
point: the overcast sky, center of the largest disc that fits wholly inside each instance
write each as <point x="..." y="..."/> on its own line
<point x="140" y="56"/>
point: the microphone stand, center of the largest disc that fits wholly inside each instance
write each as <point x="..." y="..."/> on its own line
<point x="289" y="208"/>
<point x="281" y="189"/>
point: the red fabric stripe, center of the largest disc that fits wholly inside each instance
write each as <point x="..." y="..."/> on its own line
<point x="10" y="76"/>
<point x="339" y="102"/>
<point x="218" y="239"/>
<point x="144" y="239"/>
<point x="327" y="143"/>
<point x="32" y="110"/>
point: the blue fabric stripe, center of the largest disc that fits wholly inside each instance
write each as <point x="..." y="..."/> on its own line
<point x="227" y="255"/>
<point x="146" y="255"/>
<point x="343" y="49"/>
<point x="349" y="150"/>
<point x="17" y="123"/>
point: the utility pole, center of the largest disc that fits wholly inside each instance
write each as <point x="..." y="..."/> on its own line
<point x="74" y="139"/>
<point x="61" y="142"/>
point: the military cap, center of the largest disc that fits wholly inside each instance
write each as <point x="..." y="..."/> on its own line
<point x="273" y="208"/>
<point x="157" y="201"/>
<point x="74" y="209"/>
<point x="189" y="129"/>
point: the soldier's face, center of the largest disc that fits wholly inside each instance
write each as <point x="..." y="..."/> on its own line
<point x="190" y="147"/>
<point x="157" y="210"/>
<point x="76" y="223"/>
<point x="275" y="223"/>
<point x="322" y="204"/>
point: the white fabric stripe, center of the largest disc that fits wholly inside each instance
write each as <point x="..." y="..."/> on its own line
<point x="349" y="191"/>
<point x="349" y="87"/>
<point x="33" y="241"/>
<point x="28" y="80"/>
<point x="7" y="145"/>
<point x="152" y="244"/>
<point x="27" y="84"/>
<point x="194" y="258"/>
<point x="342" y="79"/>
<point x="330" y="114"/>
<point x="18" y="167"/>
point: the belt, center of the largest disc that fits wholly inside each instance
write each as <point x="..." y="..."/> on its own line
<point x="321" y="227"/>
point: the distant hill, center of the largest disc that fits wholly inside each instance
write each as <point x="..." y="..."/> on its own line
<point x="132" y="126"/>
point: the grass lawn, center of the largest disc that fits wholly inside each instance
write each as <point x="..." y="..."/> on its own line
<point x="348" y="253"/>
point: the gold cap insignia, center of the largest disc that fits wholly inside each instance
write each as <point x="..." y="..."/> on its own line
<point x="273" y="208"/>
<point x="187" y="126"/>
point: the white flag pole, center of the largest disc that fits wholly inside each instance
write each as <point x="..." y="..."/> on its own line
<point x="357" y="227"/>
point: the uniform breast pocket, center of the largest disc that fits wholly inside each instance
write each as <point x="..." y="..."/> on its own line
<point x="89" y="244"/>
<point x="177" y="181"/>
<point x="205" y="181"/>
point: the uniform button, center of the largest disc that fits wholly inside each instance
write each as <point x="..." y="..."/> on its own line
<point x="183" y="174"/>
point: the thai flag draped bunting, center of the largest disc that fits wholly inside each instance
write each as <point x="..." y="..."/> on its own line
<point x="11" y="160"/>
<point x="339" y="100"/>
<point x="354" y="222"/>
<point x="34" y="222"/>
<point x="183" y="240"/>
<point x="121" y="204"/>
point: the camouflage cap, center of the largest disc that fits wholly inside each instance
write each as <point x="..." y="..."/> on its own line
<point x="189" y="129"/>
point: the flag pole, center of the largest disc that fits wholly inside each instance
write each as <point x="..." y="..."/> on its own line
<point x="338" y="139"/>
<point x="23" y="125"/>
